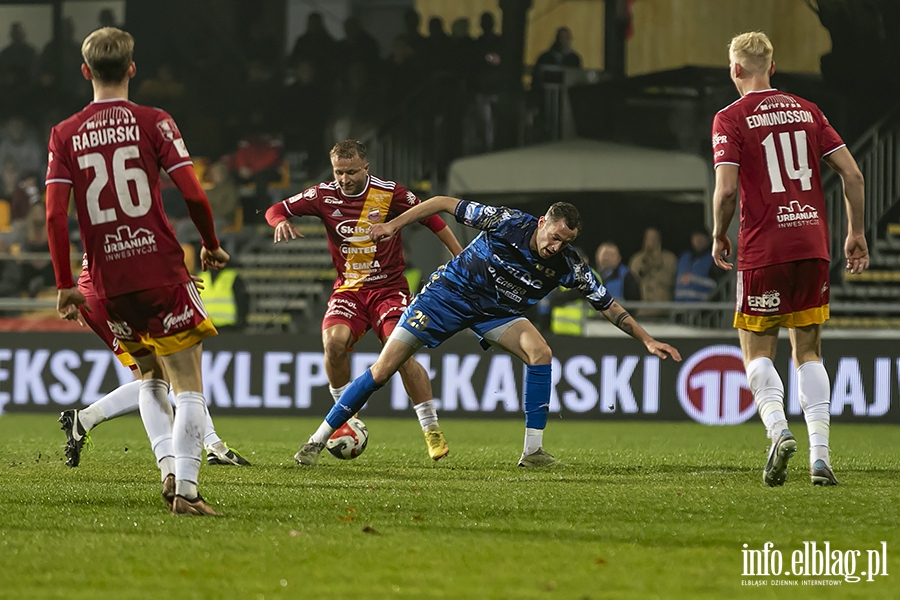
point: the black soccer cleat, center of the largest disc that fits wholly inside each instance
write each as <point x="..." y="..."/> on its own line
<point x="75" y="436"/>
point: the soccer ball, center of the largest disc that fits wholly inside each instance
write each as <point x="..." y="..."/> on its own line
<point x="349" y="440"/>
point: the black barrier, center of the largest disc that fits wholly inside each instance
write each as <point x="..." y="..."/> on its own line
<point x="593" y="378"/>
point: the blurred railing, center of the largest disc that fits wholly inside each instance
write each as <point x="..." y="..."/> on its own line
<point x="877" y="153"/>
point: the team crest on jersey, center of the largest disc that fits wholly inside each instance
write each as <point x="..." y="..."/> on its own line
<point x="310" y="193"/>
<point x="168" y="129"/>
<point x="374" y="215"/>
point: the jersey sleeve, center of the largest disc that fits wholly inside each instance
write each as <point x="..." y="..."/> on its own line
<point x="726" y="141"/>
<point x="172" y="152"/>
<point x="403" y="200"/>
<point x="582" y="278"/>
<point x="830" y="140"/>
<point x="58" y="170"/>
<point x="482" y="216"/>
<point x="303" y="204"/>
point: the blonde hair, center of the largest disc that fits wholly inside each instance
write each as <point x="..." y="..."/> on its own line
<point x="752" y="50"/>
<point x="108" y="53"/>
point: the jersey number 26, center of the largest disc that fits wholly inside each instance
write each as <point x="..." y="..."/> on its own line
<point x="121" y="176"/>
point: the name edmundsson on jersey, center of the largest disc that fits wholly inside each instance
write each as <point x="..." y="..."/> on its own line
<point x="780" y="117"/>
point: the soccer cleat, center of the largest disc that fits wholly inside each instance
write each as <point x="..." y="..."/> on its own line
<point x="437" y="445"/>
<point x="538" y="458"/>
<point x="75" y="436"/>
<point x="220" y="454"/>
<point x="195" y="508"/>
<point x="780" y="453"/>
<point x="168" y="490"/>
<point x="308" y="454"/>
<point x="821" y="474"/>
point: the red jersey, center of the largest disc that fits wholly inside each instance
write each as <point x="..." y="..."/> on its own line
<point x="111" y="153"/>
<point x="360" y="263"/>
<point x="777" y="140"/>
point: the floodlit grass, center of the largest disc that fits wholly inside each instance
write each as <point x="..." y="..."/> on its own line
<point x="637" y="511"/>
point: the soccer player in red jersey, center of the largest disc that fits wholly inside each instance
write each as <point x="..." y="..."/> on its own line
<point x="109" y="155"/>
<point x="770" y="143"/>
<point x="370" y="290"/>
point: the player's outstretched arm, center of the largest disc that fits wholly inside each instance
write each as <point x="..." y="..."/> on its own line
<point x="432" y="206"/>
<point x="620" y="317"/>
<point x="724" y="204"/>
<point x="277" y="216"/>
<point x="448" y="238"/>
<point x="855" y="248"/>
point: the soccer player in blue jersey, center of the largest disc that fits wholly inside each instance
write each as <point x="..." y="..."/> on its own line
<point x="516" y="261"/>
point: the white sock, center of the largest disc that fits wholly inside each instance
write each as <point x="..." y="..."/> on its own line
<point x="815" y="399"/>
<point x="187" y="437"/>
<point x="768" y="393"/>
<point x="210" y="437"/>
<point x="534" y="439"/>
<point x="336" y="392"/>
<point x="427" y="413"/>
<point x="122" y="400"/>
<point x="156" y="413"/>
<point x="322" y="433"/>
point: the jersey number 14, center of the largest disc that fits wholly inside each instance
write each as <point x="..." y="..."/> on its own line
<point x="122" y="175"/>
<point x="798" y="169"/>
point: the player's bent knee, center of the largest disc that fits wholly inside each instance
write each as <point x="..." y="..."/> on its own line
<point x="542" y="355"/>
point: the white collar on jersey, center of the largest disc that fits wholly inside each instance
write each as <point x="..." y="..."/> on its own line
<point x="111" y="100"/>
<point x="761" y="91"/>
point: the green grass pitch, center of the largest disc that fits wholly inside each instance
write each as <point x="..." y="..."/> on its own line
<point x="637" y="510"/>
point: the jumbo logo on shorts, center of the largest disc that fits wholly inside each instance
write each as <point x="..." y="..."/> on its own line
<point x="172" y="320"/>
<point x="768" y="302"/>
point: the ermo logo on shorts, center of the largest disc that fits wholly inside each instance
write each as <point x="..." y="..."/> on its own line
<point x="768" y="302"/>
<point x="712" y="387"/>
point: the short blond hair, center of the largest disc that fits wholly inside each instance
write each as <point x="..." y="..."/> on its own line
<point x="108" y="53"/>
<point x="752" y="50"/>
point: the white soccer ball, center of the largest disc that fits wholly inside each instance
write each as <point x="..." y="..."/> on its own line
<point x="349" y="440"/>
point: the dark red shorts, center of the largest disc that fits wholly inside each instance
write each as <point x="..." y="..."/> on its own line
<point x="96" y="317"/>
<point x="793" y="294"/>
<point x="378" y="309"/>
<point x="163" y="320"/>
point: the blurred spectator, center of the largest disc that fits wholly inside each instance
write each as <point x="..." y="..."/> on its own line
<point x="411" y="21"/>
<point x="354" y="112"/>
<point x="358" y="45"/>
<point x="30" y="276"/>
<point x="317" y="46"/>
<point x="304" y="113"/>
<point x="19" y="145"/>
<point x="107" y="18"/>
<point x="258" y="161"/>
<point x="617" y="278"/>
<point x="223" y="195"/>
<point x="401" y="72"/>
<point x="438" y="51"/>
<point x="655" y="269"/>
<point x="9" y="179"/>
<point x="59" y="70"/>
<point x="27" y="193"/>
<point x="465" y="63"/>
<point x="487" y="96"/>
<point x="561" y="54"/>
<point x="164" y="88"/>
<point x="225" y="298"/>
<point x="697" y="274"/>
<point x="19" y="56"/>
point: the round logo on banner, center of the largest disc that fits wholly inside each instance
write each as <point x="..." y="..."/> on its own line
<point x="712" y="387"/>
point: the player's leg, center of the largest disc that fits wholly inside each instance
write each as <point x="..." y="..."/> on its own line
<point x="814" y="389"/>
<point x="763" y="307"/>
<point x="337" y="339"/>
<point x="158" y="418"/>
<point x="386" y="310"/>
<point x="521" y="338"/>
<point x="217" y="451"/>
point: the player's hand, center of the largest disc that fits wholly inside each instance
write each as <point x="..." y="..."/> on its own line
<point x="721" y="249"/>
<point x="287" y="232"/>
<point x="857" y="252"/>
<point x="216" y="259"/>
<point x="663" y="350"/>
<point x="67" y="303"/>
<point x="381" y="232"/>
<point x="198" y="282"/>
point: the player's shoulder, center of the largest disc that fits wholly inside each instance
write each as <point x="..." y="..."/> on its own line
<point x="383" y="184"/>
<point x="315" y="192"/>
